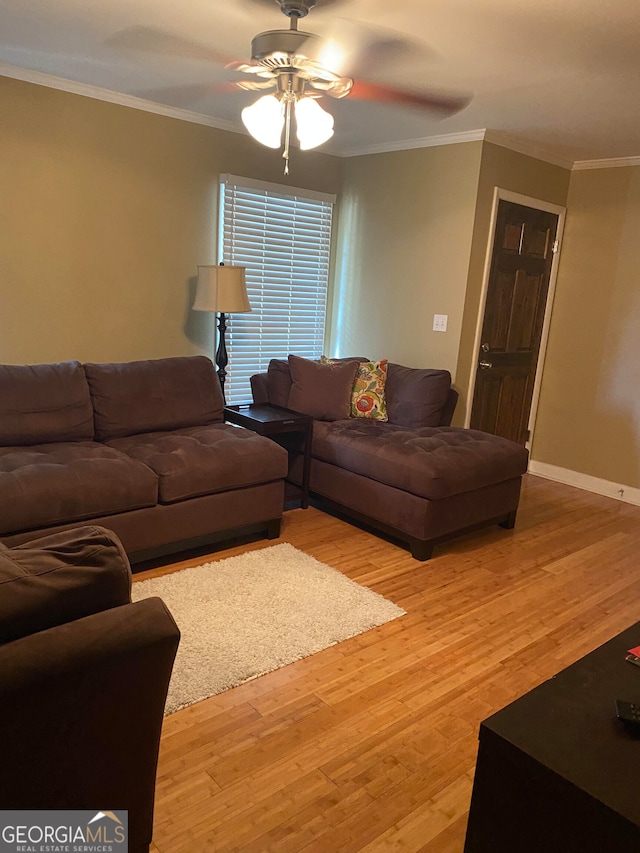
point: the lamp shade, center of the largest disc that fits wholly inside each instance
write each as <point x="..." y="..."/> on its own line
<point x="222" y="289"/>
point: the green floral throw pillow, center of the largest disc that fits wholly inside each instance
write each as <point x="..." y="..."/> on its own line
<point x="367" y="397"/>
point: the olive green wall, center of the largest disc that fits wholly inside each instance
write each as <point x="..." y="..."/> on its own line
<point x="589" y="411"/>
<point x="507" y="170"/>
<point x="406" y="221"/>
<point x="414" y="227"/>
<point x="106" y="213"/>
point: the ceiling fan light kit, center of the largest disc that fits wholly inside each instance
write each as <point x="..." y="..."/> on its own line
<point x="271" y="114"/>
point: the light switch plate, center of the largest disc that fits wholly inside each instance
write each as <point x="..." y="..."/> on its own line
<point x="440" y="322"/>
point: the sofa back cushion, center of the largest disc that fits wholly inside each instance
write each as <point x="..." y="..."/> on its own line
<point x="279" y="382"/>
<point x="42" y="403"/>
<point x="415" y="397"/>
<point x="279" y="379"/>
<point x="59" y="578"/>
<point x="149" y="396"/>
<point x="321" y="390"/>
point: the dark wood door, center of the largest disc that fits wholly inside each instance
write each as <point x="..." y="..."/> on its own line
<point x="523" y="250"/>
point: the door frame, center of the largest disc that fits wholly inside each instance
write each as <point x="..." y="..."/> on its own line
<point x="499" y="195"/>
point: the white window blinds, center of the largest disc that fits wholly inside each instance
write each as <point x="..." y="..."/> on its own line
<point x="282" y="236"/>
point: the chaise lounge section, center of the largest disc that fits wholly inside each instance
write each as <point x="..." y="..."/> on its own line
<point x="414" y="476"/>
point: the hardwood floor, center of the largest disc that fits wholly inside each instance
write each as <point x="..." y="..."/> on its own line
<point x="370" y="745"/>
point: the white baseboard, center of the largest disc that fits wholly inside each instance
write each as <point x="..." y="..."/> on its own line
<point x="619" y="491"/>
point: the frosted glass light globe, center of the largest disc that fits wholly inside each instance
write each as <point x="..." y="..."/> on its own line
<point x="265" y="120"/>
<point x="313" y="124"/>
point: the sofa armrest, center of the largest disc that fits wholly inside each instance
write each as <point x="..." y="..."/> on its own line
<point x="81" y="710"/>
<point x="59" y="578"/>
<point x="446" y="415"/>
<point x="260" y="387"/>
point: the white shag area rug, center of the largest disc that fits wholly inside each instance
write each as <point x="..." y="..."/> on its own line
<point x="245" y="616"/>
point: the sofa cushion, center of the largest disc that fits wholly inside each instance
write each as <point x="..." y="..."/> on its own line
<point x="416" y="397"/>
<point x="321" y="390"/>
<point x="203" y="460"/>
<point x="60" y="578"/>
<point x="279" y="379"/>
<point x="56" y="483"/>
<point x="161" y="394"/>
<point x="431" y="462"/>
<point x="279" y="382"/>
<point x="44" y="402"/>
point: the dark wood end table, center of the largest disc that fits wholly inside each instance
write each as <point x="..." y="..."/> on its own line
<point x="275" y="422"/>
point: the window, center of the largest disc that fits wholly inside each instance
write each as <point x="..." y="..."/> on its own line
<point x="282" y="235"/>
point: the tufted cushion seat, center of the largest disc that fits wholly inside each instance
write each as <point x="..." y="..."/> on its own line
<point x="52" y="484"/>
<point x="203" y="460"/>
<point x="431" y="462"/>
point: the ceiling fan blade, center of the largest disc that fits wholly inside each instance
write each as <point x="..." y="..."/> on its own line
<point x="363" y="90"/>
<point x="251" y="85"/>
<point x="247" y="67"/>
<point x="153" y="40"/>
<point x="353" y="49"/>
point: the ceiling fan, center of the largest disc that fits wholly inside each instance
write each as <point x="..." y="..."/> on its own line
<point x="296" y="69"/>
<point x="302" y="67"/>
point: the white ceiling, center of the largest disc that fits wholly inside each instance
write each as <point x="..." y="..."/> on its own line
<point x="561" y="79"/>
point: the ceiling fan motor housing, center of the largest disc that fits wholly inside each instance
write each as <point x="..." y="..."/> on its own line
<point x="266" y="44"/>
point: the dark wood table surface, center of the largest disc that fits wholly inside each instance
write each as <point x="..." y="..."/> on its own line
<point x="557" y="770"/>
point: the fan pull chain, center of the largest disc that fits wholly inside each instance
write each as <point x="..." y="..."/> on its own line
<point x="288" y="100"/>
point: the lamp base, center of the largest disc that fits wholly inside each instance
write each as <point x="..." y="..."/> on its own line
<point x="221" y="353"/>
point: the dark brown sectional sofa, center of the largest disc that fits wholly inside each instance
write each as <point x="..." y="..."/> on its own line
<point x="414" y="477"/>
<point x="140" y="448"/>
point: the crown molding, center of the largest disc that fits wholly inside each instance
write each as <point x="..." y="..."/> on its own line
<point x="539" y="152"/>
<point x="611" y="163"/>
<point x="408" y="144"/>
<point x="97" y="93"/>
<point x="495" y="136"/>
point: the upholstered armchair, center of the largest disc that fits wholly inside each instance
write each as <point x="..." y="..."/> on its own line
<point x="83" y="679"/>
